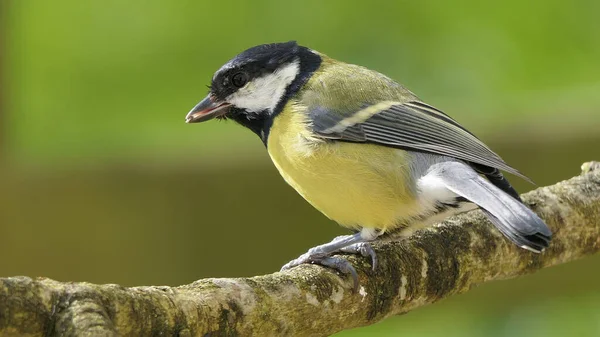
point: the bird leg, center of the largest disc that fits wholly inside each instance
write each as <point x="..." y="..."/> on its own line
<point x="353" y="244"/>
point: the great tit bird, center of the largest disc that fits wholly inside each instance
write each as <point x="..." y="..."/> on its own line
<point x="363" y="149"/>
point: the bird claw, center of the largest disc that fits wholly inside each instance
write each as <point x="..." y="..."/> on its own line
<point x="343" y="266"/>
<point x="302" y="259"/>
<point x="316" y="256"/>
<point x="334" y="262"/>
<point x="364" y="249"/>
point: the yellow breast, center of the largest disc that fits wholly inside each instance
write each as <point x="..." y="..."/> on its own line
<point x="356" y="185"/>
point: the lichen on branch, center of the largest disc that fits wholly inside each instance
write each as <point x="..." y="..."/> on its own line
<point x="310" y="300"/>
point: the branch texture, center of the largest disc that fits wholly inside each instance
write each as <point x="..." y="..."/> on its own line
<point x="310" y="300"/>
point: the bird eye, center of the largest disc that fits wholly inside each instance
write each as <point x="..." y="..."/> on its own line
<point x="239" y="79"/>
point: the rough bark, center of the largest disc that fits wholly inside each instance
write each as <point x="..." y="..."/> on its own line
<point x="310" y="300"/>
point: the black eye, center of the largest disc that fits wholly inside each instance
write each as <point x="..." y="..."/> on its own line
<point x="239" y="79"/>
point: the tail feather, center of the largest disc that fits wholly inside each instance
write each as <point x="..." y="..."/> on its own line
<point x="495" y="177"/>
<point x="535" y="243"/>
<point x="517" y="222"/>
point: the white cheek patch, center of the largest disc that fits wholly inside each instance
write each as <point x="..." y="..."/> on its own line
<point x="265" y="92"/>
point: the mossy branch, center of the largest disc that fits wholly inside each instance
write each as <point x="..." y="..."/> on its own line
<point x="310" y="300"/>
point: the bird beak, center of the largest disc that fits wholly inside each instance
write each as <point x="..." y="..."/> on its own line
<point x="207" y="109"/>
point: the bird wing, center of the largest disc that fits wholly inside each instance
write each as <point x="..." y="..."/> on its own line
<point x="411" y="125"/>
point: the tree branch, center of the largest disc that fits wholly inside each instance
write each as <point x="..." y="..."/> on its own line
<point x="310" y="300"/>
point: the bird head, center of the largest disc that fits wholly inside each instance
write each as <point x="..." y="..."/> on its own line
<point x="253" y="84"/>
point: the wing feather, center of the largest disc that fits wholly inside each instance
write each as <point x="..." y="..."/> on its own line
<point x="411" y="125"/>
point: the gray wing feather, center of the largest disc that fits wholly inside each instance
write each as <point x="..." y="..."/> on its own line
<point x="412" y="125"/>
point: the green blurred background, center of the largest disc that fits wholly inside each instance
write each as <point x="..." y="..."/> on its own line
<point x="103" y="182"/>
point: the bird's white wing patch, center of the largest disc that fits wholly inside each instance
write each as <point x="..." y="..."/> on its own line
<point x="433" y="190"/>
<point x="264" y="93"/>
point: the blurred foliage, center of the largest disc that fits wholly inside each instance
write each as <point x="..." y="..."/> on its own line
<point x="103" y="181"/>
<point x="115" y="78"/>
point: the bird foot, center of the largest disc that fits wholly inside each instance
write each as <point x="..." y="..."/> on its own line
<point x="316" y="256"/>
<point x="364" y="249"/>
<point x="334" y="262"/>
